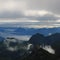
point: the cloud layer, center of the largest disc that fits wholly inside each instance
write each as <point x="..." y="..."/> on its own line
<point x="38" y="13"/>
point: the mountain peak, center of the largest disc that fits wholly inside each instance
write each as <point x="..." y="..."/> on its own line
<point x="37" y="34"/>
<point x="36" y="38"/>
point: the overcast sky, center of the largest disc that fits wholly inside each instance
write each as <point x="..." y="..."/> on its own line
<point x="37" y="13"/>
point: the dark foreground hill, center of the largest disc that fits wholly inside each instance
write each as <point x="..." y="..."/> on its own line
<point x="40" y="54"/>
<point x="37" y="39"/>
<point x="41" y="39"/>
<point x="52" y="40"/>
<point x="37" y="53"/>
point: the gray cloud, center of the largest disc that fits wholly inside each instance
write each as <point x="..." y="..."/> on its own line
<point x="44" y="18"/>
<point x="49" y="5"/>
<point x="53" y="6"/>
<point x="12" y="9"/>
<point x="11" y="15"/>
<point x="16" y="14"/>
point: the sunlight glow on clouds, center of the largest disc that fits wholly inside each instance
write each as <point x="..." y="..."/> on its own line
<point x="58" y="21"/>
<point x="36" y="13"/>
<point x="16" y="20"/>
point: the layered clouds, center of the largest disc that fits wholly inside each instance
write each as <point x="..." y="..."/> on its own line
<point x="30" y="14"/>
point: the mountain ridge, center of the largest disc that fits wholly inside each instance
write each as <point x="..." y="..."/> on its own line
<point x="29" y="31"/>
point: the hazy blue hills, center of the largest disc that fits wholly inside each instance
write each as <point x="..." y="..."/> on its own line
<point x="1" y="38"/>
<point x="28" y="31"/>
<point x="31" y="31"/>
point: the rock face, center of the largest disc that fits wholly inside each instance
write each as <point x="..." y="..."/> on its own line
<point x="41" y="39"/>
<point x="52" y="40"/>
<point x="40" y="54"/>
<point x="14" y="44"/>
<point x="11" y="43"/>
<point x="37" y="39"/>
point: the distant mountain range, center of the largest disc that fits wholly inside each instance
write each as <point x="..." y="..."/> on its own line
<point x="42" y="35"/>
<point x="28" y="31"/>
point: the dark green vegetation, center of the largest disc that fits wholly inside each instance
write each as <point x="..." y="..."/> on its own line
<point x="34" y="53"/>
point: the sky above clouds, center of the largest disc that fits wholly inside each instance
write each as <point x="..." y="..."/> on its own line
<point x="37" y="13"/>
